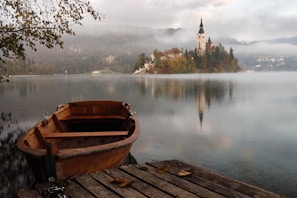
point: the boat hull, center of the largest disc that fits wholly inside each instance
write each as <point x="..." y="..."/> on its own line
<point x="42" y="167"/>
<point x="52" y="152"/>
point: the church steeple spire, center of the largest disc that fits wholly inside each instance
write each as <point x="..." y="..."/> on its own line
<point x="201" y="31"/>
<point x="201" y="44"/>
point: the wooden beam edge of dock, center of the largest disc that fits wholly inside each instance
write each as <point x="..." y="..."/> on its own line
<point x="170" y="178"/>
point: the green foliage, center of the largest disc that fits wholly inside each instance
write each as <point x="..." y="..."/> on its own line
<point x="25" y="23"/>
<point x="175" y="61"/>
<point x="218" y="60"/>
<point x="140" y="61"/>
<point x="158" y="58"/>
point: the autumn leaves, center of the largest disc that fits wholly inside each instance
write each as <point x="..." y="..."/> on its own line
<point x="122" y="182"/>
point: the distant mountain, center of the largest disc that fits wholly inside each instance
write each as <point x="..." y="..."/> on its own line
<point x="292" y="40"/>
<point x="117" y="48"/>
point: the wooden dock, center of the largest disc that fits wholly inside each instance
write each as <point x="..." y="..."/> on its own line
<point x="153" y="179"/>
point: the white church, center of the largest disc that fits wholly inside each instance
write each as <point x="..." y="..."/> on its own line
<point x="202" y="45"/>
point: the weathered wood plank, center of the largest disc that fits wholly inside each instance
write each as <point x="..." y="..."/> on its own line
<point x="105" y="179"/>
<point x="94" y="187"/>
<point x="157" y="182"/>
<point x="172" y="177"/>
<point x="27" y="193"/>
<point x="204" y="184"/>
<point x="225" y="181"/>
<point x="41" y="187"/>
<point x="74" y="190"/>
<point x="85" y="134"/>
<point x="150" y="183"/>
<point x="138" y="185"/>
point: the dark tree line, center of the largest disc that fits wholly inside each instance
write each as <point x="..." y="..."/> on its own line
<point x="218" y="61"/>
<point x="78" y="64"/>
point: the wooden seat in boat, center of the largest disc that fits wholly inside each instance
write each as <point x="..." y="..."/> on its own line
<point x="85" y="134"/>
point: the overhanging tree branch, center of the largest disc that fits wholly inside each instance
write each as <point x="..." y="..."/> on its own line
<point x="27" y="22"/>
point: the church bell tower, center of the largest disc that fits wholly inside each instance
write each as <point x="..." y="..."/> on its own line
<point x="201" y="40"/>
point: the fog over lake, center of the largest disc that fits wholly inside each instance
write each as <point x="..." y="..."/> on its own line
<point x="241" y="125"/>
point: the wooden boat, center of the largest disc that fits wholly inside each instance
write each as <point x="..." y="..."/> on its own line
<point x="80" y="137"/>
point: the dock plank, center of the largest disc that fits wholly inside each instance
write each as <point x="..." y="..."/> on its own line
<point x="147" y="182"/>
<point x="161" y="184"/>
<point x="217" y="189"/>
<point x="105" y="179"/>
<point x="229" y="183"/>
<point x="28" y="193"/>
<point x="42" y="187"/>
<point x="94" y="187"/>
<point x="182" y="182"/>
<point x="74" y="190"/>
<point x="138" y="185"/>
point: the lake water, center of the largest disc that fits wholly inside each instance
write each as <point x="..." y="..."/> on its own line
<point x="241" y="125"/>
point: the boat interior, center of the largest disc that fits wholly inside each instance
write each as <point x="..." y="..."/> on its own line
<point x="81" y="127"/>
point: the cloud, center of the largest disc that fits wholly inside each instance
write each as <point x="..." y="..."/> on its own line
<point x="245" y="20"/>
<point x="254" y="20"/>
<point x="265" y="48"/>
<point x="155" y="13"/>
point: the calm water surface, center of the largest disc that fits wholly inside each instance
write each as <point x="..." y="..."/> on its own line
<point x="241" y="125"/>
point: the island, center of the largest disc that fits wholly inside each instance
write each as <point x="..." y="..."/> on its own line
<point x="205" y="58"/>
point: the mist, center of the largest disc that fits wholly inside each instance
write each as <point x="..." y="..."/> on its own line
<point x="95" y="45"/>
<point x="267" y="48"/>
<point x="166" y="38"/>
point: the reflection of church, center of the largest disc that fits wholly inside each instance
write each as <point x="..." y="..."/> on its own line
<point x="201" y="104"/>
<point x="209" y="90"/>
<point x="204" y="92"/>
<point x="202" y="45"/>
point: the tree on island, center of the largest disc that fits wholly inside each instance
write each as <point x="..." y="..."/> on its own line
<point x="218" y="61"/>
<point x="140" y="61"/>
<point x="177" y="61"/>
<point x="25" y="23"/>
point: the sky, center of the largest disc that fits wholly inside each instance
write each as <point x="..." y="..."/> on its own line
<point x="245" y="20"/>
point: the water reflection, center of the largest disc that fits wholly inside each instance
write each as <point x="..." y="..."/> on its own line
<point x="24" y="87"/>
<point x="13" y="168"/>
<point x="240" y="125"/>
<point x="205" y="91"/>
